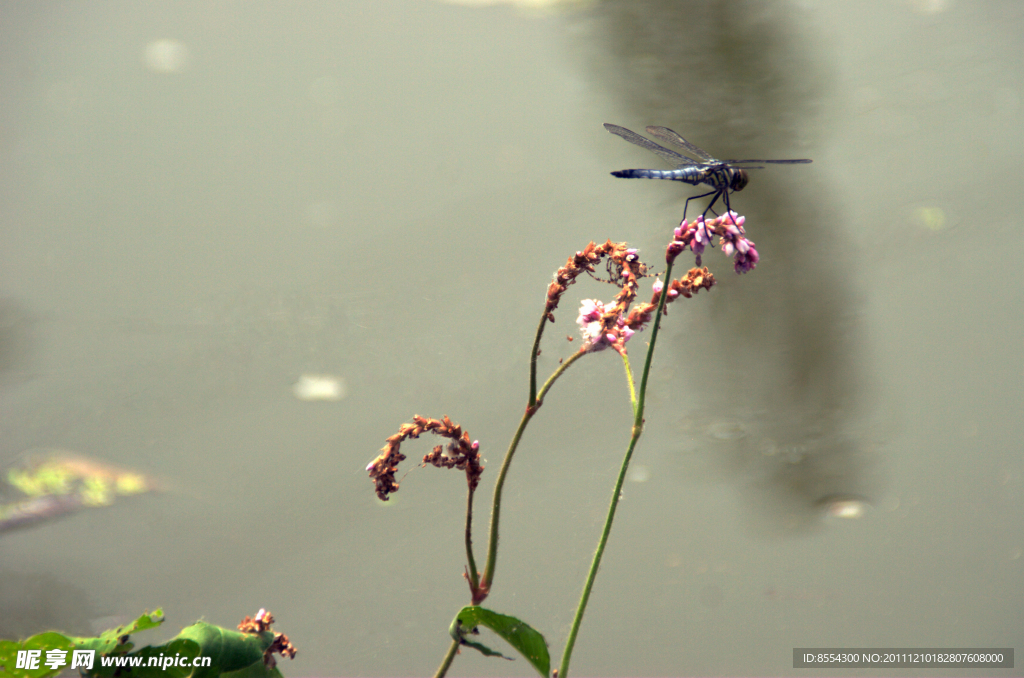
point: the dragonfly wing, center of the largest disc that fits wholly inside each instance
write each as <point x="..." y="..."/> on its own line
<point x="676" y="139"/>
<point x="774" y="162"/>
<point x="672" y="157"/>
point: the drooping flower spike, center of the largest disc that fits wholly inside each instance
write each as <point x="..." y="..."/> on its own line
<point x="697" y="235"/>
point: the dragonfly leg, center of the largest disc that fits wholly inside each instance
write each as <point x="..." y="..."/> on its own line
<point x="711" y="204"/>
<point x="698" y="197"/>
<point x="722" y="193"/>
<point x="728" y="207"/>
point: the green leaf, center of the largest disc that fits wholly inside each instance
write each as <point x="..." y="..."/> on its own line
<point x="179" y="649"/>
<point x="229" y="650"/>
<point x="257" y="670"/>
<point x="43" y="642"/>
<point x="518" y="634"/>
<point x="231" y="653"/>
<point x="110" y="640"/>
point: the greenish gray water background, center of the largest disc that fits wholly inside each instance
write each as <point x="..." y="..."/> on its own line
<point x="381" y="192"/>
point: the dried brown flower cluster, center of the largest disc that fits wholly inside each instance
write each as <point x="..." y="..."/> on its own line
<point x="579" y="263"/>
<point x="695" y="280"/>
<point x="260" y="624"/>
<point x="281" y="644"/>
<point x="632" y="269"/>
<point x="602" y="325"/>
<point x="641" y="314"/>
<point x="460" y="453"/>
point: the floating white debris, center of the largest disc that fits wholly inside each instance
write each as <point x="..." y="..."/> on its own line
<point x="166" y="56"/>
<point x="319" y="387"/>
<point x="930" y="218"/>
<point x="727" y="430"/>
<point x="847" y="507"/>
<point x="638" y="473"/>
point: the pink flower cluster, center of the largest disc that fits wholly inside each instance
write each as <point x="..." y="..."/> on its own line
<point x="596" y="337"/>
<point x="729" y="228"/>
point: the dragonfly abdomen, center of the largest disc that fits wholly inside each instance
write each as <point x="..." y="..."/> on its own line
<point x="689" y="175"/>
<point x="721" y="178"/>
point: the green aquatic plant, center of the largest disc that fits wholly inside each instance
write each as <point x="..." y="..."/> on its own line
<point x="201" y="650"/>
<point x="602" y="325"/>
<point x="48" y="484"/>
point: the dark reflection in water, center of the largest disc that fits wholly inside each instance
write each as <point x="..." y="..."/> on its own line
<point x="16" y="328"/>
<point x="31" y="602"/>
<point x="770" y="360"/>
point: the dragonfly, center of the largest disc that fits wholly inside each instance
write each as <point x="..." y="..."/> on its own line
<point x="723" y="176"/>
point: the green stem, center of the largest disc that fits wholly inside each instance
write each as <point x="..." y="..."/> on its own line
<point x="474" y="577"/>
<point x="492" y="543"/>
<point x="638" y="427"/>
<point x="650" y="349"/>
<point x="532" y="402"/>
<point x="629" y="380"/>
<point x="592" y="575"/>
<point x="449" y="657"/>
<point x="537" y="401"/>
<point x="557" y="373"/>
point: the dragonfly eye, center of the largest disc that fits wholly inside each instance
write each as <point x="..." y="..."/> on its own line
<point x="739" y="179"/>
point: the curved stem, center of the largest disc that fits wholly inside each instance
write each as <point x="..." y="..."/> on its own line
<point x="638" y="427"/>
<point x="449" y="657"/>
<point x="492" y="545"/>
<point x="557" y="373"/>
<point x="532" y="402"/>
<point x="474" y="576"/>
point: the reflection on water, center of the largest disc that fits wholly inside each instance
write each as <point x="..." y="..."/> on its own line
<point x="788" y="483"/>
<point x="35" y="601"/>
<point x="16" y="328"/>
<point x="775" y="354"/>
<point x="47" y="484"/>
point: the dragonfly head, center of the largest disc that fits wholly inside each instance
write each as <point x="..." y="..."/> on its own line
<point x="739" y="179"/>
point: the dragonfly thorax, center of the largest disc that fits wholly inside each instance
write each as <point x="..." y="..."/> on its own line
<point x="721" y="177"/>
